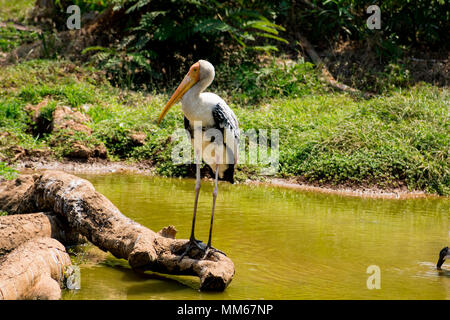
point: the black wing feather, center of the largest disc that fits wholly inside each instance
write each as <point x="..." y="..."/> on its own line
<point x="224" y="118"/>
<point x="187" y="126"/>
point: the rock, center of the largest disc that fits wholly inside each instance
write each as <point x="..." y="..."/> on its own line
<point x="138" y="138"/>
<point x="64" y="118"/>
<point x="80" y="151"/>
<point x="100" y="151"/>
<point x="168" y="232"/>
<point x="39" y="153"/>
<point x="63" y="125"/>
<point x="42" y="124"/>
<point x="67" y="121"/>
<point x="35" y="110"/>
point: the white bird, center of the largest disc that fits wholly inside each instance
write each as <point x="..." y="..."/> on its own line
<point x="208" y="111"/>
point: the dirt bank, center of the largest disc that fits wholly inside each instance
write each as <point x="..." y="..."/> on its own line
<point x="98" y="166"/>
<point x="367" y="192"/>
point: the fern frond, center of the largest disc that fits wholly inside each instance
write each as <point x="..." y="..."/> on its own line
<point x="211" y="25"/>
<point x="271" y="36"/>
<point x="139" y="4"/>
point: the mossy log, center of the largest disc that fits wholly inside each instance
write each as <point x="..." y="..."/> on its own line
<point x="34" y="270"/>
<point x="95" y="217"/>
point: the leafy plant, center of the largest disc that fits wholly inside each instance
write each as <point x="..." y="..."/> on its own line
<point x="404" y="23"/>
<point x="162" y="37"/>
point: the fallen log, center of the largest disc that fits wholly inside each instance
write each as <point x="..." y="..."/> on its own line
<point x="18" y="229"/>
<point x="95" y="217"/>
<point x="34" y="270"/>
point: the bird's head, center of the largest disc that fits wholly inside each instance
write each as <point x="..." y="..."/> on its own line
<point x="200" y="70"/>
<point x="444" y="254"/>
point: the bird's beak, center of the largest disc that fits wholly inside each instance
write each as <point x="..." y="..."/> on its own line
<point x="189" y="80"/>
<point x="442" y="256"/>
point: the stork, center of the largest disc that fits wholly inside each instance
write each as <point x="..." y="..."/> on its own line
<point x="208" y="111"/>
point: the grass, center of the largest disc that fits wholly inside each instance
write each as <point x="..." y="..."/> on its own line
<point x="16" y="10"/>
<point x="7" y="172"/>
<point x="10" y="38"/>
<point x="400" y="138"/>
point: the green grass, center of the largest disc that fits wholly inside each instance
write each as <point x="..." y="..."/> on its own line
<point x="400" y="138"/>
<point x="15" y="10"/>
<point x="7" y="172"/>
<point x="10" y="38"/>
<point x="248" y="83"/>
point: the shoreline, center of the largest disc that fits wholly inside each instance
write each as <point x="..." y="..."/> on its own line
<point x="362" y="192"/>
<point x="108" y="167"/>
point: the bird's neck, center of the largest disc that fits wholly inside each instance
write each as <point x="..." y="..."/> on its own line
<point x="199" y="87"/>
<point x="192" y="96"/>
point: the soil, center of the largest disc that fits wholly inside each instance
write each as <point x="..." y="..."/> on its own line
<point x="92" y="166"/>
<point x="356" y="191"/>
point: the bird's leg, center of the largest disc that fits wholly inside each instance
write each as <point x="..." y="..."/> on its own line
<point x="192" y="241"/>
<point x="209" y="248"/>
<point x="197" y="192"/>
<point x="215" y="191"/>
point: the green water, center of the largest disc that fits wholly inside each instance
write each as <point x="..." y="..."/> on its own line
<point x="285" y="244"/>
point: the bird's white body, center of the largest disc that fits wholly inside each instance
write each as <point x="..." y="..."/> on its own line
<point x="198" y="106"/>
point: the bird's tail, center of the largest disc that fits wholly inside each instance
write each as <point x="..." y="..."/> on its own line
<point x="228" y="175"/>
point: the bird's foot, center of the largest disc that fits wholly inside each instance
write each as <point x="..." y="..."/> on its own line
<point x="193" y="244"/>
<point x="209" y="250"/>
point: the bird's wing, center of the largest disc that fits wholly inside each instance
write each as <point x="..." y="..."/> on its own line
<point x="225" y="119"/>
<point x="187" y="126"/>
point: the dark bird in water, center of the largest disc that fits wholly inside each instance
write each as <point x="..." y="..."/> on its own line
<point x="444" y="254"/>
<point x="207" y="111"/>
